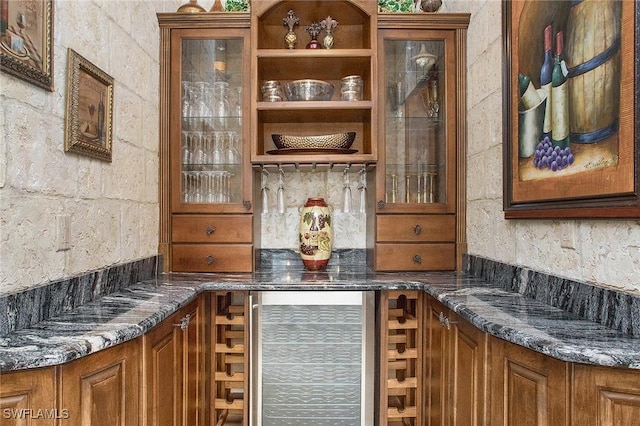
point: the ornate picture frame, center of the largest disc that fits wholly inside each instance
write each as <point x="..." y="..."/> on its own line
<point x="575" y="154"/>
<point x="89" y="109"/>
<point x="26" y="40"/>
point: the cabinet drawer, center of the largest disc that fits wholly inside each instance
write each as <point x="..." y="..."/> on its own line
<point x="415" y="257"/>
<point x="212" y="229"/>
<point x="416" y="228"/>
<point x="212" y="258"/>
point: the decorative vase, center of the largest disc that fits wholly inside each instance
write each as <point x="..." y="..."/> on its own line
<point x="191" y="6"/>
<point x="313" y="30"/>
<point x="430" y="5"/>
<point x="329" y="25"/>
<point x="316" y="234"/>
<point x="291" y="20"/>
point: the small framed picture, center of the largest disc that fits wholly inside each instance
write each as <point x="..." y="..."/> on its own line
<point x="26" y="47"/>
<point x="89" y="110"/>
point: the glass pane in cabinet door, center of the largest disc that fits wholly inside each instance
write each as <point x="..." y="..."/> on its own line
<point x="211" y="121"/>
<point x="415" y="122"/>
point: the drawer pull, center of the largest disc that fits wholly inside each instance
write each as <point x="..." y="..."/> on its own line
<point x="184" y="322"/>
<point x="247" y="205"/>
<point x="381" y="204"/>
<point x="417" y="258"/>
<point x="210" y="229"/>
<point x="210" y="260"/>
<point x="417" y="229"/>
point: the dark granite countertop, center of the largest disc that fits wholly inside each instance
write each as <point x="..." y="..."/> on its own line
<point x="130" y="312"/>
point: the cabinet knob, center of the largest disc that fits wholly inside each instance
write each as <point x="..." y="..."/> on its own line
<point x="417" y="229"/>
<point x="184" y="322"/>
<point x="210" y="260"/>
<point x="417" y="258"/>
<point x="381" y="204"/>
<point x="210" y="229"/>
<point x="247" y="204"/>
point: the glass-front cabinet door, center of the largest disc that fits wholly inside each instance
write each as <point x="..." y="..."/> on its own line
<point x="209" y="126"/>
<point x="417" y="90"/>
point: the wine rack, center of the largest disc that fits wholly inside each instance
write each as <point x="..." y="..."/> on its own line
<point x="401" y="355"/>
<point x="230" y="358"/>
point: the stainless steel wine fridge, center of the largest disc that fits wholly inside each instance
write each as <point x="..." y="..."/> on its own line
<point x="312" y="358"/>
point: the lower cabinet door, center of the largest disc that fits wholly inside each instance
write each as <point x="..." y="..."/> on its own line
<point x="102" y="389"/>
<point x="603" y="396"/>
<point x="527" y="387"/>
<point x="455" y="368"/>
<point x="173" y="366"/>
<point x="29" y="398"/>
<point x="468" y="362"/>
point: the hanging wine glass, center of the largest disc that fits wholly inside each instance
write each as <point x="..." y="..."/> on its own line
<point x="346" y="191"/>
<point x="362" y="187"/>
<point x="264" y="191"/>
<point x="280" y="193"/>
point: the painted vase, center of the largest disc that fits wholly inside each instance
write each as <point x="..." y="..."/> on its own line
<point x="316" y="234"/>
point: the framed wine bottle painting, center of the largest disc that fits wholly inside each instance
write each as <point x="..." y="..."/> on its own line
<point x="89" y="114"/>
<point x="570" y="109"/>
<point x="26" y="40"/>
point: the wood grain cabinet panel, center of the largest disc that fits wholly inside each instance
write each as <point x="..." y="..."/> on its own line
<point x="415" y="257"/>
<point x="174" y="368"/>
<point x="416" y="228"/>
<point x="527" y="388"/>
<point x="28" y="398"/>
<point x="212" y="257"/>
<point x="605" y="396"/>
<point x="455" y="368"/>
<point x="102" y="389"/>
<point x="212" y="229"/>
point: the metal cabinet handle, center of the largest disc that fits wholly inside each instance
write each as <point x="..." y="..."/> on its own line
<point x="210" y="260"/>
<point x="247" y="204"/>
<point x="211" y="229"/>
<point x="417" y="258"/>
<point x="442" y="318"/>
<point x="381" y="204"/>
<point x="417" y="229"/>
<point x="446" y="322"/>
<point x="184" y="322"/>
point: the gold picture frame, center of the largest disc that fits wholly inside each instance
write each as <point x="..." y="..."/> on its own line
<point x="89" y="109"/>
<point x="591" y="124"/>
<point x="26" y="46"/>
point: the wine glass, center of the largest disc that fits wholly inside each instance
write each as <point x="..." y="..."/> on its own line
<point x="346" y="191"/>
<point x="362" y="187"/>
<point x="280" y="193"/>
<point x="264" y="191"/>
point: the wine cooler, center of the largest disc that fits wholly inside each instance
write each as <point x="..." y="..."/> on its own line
<point x="312" y="358"/>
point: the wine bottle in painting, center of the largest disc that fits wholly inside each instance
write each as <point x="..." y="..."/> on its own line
<point x="528" y="95"/>
<point x="559" y="98"/>
<point x="100" y="130"/>
<point x="545" y="80"/>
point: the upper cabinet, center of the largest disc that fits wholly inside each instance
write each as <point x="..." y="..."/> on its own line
<point x="281" y="58"/>
<point x="209" y="127"/>
<point x="420" y="175"/>
<point x="205" y="172"/>
<point x="312" y="83"/>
